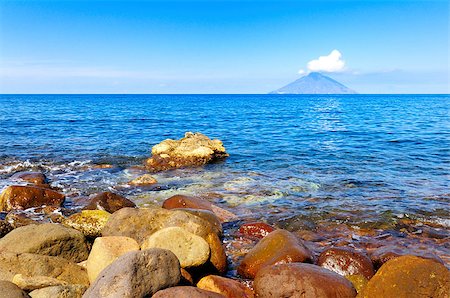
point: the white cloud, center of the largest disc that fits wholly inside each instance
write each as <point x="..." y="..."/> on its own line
<point x="331" y="63"/>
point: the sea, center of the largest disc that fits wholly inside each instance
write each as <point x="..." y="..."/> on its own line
<point x="296" y="161"/>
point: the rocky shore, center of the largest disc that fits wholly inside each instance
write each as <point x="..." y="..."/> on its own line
<point x="188" y="246"/>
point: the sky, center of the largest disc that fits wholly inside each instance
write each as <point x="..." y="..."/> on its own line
<point x="372" y="46"/>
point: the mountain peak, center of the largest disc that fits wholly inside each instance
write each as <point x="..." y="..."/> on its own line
<point x="314" y="83"/>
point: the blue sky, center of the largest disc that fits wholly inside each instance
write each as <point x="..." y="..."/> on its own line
<point x="220" y="46"/>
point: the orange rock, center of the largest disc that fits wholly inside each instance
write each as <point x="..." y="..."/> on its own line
<point x="278" y="247"/>
<point x="218" y="258"/>
<point x="182" y="201"/>
<point x="109" y="202"/>
<point x="228" y="287"/>
<point x="23" y="197"/>
<point x="256" y="229"/>
<point x="409" y="276"/>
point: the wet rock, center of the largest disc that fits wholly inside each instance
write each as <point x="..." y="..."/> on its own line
<point x="124" y="277"/>
<point x="228" y="287"/>
<point x="18" y="218"/>
<point x="109" y="202"/>
<point x="30" y="177"/>
<point x="195" y="149"/>
<point x="186" y="292"/>
<point x="384" y="254"/>
<point x="40" y="265"/>
<point x="409" y="276"/>
<point x="5" y="228"/>
<point x="280" y="246"/>
<point x="67" y="291"/>
<point x="23" y="197"/>
<point x="141" y="223"/>
<point x="345" y="262"/>
<point x="256" y="229"/>
<point x="191" y="250"/>
<point x="182" y="201"/>
<point x="36" y="282"/>
<point x="143" y="180"/>
<point x="105" y="251"/>
<point x="10" y="290"/>
<point x="88" y="222"/>
<point x="210" y="217"/>
<point x="189" y="202"/>
<point x="301" y="280"/>
<point x="47" y="239"/>
<point x="218" y="258"/>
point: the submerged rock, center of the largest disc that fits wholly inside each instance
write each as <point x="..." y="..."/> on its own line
<point x="31" y="177"/>
<point x="39" y="265"/>
<point x="105" y="251"/>
<point x="186" y="292"/>
<point x="256" y="229"/>
<point x="143" y="180"/>
<point x="301" y="280"/>
<point x="23" y="197"/>
<point x="137" y="274"/>
<point x="345" y="262"/>
<point x="195" y="149"/>
<point x="228" y="287"/>
<point x="109" y="202"/>
<point x="386" y="253"/>
<point x="47" y="239"/>
<point x="278" y="247"/>
<point x="409" y="276"/>
<point x="191" y="250"/>
<point x="88" y="222"/>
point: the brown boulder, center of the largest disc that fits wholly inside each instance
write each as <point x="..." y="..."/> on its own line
<point x="256" y="229"/>
<point x="195" y="149"/>
<point x="30" y="177"/>
<point x="301" y="280"/>
<point x="109" y="202"/>
<point x="5" y="228"/>
<point x="47" y="239"/>
<point x="27" y="264"/>
<point x="23" y="197"/>
<point x="186" y="292"/>
<point x="345" y="262"/>
<point x="137" y="274"/>
<point x="278" y="247"/>
<point x="409" y="276"/>
<point x="228" y="287"/>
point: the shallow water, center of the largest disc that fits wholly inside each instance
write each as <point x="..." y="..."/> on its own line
<point x="365" y="161"/>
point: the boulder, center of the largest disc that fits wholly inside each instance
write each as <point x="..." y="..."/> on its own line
<point x="30" y="177"/>
<point x="141" y="223"/>
<point x="23" y="197"/>
<point x="36" y="282"/>
<point x="10" y="290"/>
<point x="137" y="274"/>
<point x="5" y="228"/>
<point x="88" y="222"/>
<point x="109" y="202"/>
<point x="346" y="261"/>
<point x="191" y="250"/>
<point x="67" y="291"/>
<point x="182" y="201"/>
<point x="409" y="276"/>
<point x="227" y="287"/>
<point x="105" y="251"/>
<point x="39" y="265"/>
<point x="279" y="246"/>
<point x="47" y="239"/>
<point x="301" y="280"/>
<point x="256" y="229"/>
<point x="195" y="149"/>
<point x="358" y="281"/>
<point x="143" y="180"/>
<point x="209" y="216"/>
<point x="186" y="292"/>
<point x="218" y="258"/>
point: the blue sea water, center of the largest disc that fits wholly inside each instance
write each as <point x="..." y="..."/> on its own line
<point x="358" y="159"/>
